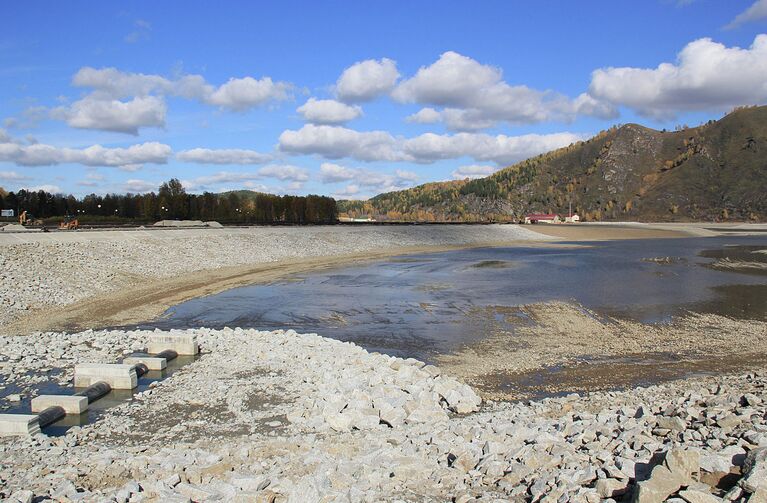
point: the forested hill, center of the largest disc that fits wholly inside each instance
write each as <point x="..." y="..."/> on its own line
<point x="717" y="171"/>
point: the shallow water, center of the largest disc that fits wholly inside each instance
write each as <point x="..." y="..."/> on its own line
<point x="95" y="409"/>
<point x="417" y="305"/>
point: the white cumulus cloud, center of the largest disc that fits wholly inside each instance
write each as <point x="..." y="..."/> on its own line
<point x="245" y="93"/>
<point x="222" y="156"/>
<point x="351" y="191"/>
<point x="425" y="116"/>
<point x="139" y="186"/>
<point x="405" y="175"/>
<point x="453" y="80"/>
<point x="114" y="115"/>
<point x="12" y="176"/>
<point x="328" y="111"/>
<point x="284" y="172"/>
<point x="214" y="183"/>
<point x="375" y="181"/>
<point x="335" y="142"/>
<point x="235" y="180"/>
<point x="29" y="118"/>
<point x="128" y="158"/>
<point x="235" y="94"/>
<point x="113" y="83"/>
<point x="332" y="173"/>
<point x="473" y="171"/>
<point x="707" y="76"/>
<point x="257" y="187"/>
<point x="457" y="119"/>
<point x="501" y="149"/>
<point x="757" y="11"/>
<point x="475" y="96"/>
<point x="366" y="80"/>
<point x="52" y="189"/>
<point x="110" y="85"/>
<point x="220" y="177"/>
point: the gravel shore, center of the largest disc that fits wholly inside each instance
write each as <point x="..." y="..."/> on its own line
<point x="279" y="416"/>
<point x="40" y="270"/>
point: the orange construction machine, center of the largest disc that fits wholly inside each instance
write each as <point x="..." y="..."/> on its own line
<point x="69" y="224"/>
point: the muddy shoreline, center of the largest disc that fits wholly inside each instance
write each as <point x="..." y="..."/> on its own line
<point x="563" y="347"/>
<point x="114" y="279"/>
<point x="148" y="300"/>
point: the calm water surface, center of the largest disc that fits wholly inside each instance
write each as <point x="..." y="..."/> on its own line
<point x="420" y="304"/>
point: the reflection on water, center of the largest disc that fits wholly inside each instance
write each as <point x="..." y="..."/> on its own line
<point x="421" y="304"/>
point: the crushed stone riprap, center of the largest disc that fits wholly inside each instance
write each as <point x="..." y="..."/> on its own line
<point x="356" y="392"/>
<point x="280" y="416"/>
<point x="58" y="269"/>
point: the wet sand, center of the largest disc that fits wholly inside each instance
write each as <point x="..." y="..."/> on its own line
<point x="603" y="232"/>
<point x="615" y="373"/>
<point x="133" y="297"/>
<point x="560" y="347"/>
<point x="149" y="299"/>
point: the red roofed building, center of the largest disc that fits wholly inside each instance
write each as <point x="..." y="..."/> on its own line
<point x="542" y="218"/>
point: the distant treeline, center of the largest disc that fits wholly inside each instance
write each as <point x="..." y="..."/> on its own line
<point x="172" y="202"/>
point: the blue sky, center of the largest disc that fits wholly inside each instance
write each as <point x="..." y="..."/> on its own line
<point x="350" y="98"/>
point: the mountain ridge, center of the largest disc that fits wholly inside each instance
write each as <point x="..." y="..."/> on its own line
<point x="716" y="171"/>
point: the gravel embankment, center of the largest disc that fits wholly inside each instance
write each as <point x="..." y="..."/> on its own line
<point x="278" y="416"/>
<point x="56" y="269"/>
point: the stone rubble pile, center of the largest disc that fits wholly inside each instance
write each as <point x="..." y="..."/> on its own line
<point x="341" y="424"/>
<point x="396" y="393"/>
<point x="343" y="386"/>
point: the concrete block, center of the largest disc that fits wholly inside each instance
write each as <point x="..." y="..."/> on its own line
<point x="18" y="425"/>
<point x="117" y="375"/>
<point x="183" y="344"/>
<point x="70" y="404"/>
<point x="151" y="362"/>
